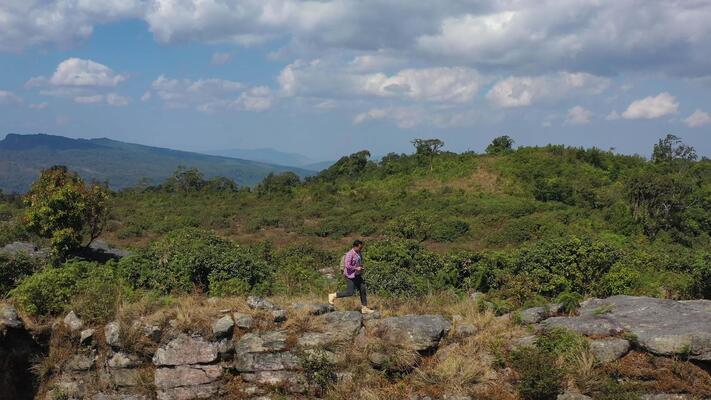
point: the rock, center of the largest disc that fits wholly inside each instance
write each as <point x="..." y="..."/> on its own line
<point x="24" y="248"/>
<point x="253" y="362"/>
<point x="659" y="326"/>
<point x="243" y="321"/>
<point x="112" y="333"/>
<point x="313" y="309"/>
<point x="104" y="249"/>
<point x="533" y="315"/>
<point x="185" y="350"/>
<point x="86" y="336"/>
<point x="261" y="343"/>
<point x="208" y="391"/>
<point x="608" y="350"/>
<point x="187" y="375"/>
<point x="526" y="341"/>
<point x="664" y="396"/>
<point x="123" y="377"/>
<point x="9" y="318"/>
<point x="73" y="322"/>
<point x="123" y="360"/>
<point x="223" y="327"/>
<point x="80" y="362"/>
<point x="279" y="315"/>
<point x="339" y="326"/>
<point x="573" y="396"/>
<point x="415" y="332"/>
<point x="465" y="330"/>
<point x="152" y="332"/>
<point x="294" y="381"/>
<point x="378" y="360"/>
<point x="260" y="303"/>
<point x="701" y="305"/>
<point x="114" y="396"/>
<point x="446" y="351"/>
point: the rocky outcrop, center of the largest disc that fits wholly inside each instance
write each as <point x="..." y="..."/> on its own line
<point x="420" y="333"/>
<point x="659" y="326"/>
<point x="24" y="248"/>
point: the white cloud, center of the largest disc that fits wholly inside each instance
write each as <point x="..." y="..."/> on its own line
<point x="698" y="119"/>
<point x="526" y="90"/>
<point x="221" y="58"/>
<point x="93" y="99"/>
<point x="116" y="100"/>
<point x="613" y="116"/>
<point x="578" y="116"/>
<point x="7" y="97"/>
<point x="210" y="95"/>
<point x="79" y="72"/>
<point x="38" y="106"/>
<point x="652" y="107"/>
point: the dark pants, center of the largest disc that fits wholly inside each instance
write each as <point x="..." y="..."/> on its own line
<point x="353" y="284"/>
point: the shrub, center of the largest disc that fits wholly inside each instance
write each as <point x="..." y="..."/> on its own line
<point x="540" y="376"/>
<point x="569" y="301"/>
<point x="619" y="280"/>
<point x="449" y="230"/>
<point x="297" y="269"/>
<point x="11" y="231"/>
<point x="98" y="294"/>
<point x="318" y="369"/>
<point x="415" y="225"/>
<point x="562" y="343"/>
<point x="13" y="268"/>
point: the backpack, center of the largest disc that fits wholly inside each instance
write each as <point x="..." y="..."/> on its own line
<point x="343" y="262"/>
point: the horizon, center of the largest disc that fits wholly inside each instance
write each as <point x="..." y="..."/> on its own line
<point x="323" y="79"/>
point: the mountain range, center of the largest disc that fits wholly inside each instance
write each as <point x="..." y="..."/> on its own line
<point x="122" y="164"/>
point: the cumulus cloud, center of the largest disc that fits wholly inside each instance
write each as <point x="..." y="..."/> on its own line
<point x="520" y="91"/>
<point x="698" y="119"/>
<point x="7" y="97"/>
<point x="578" y="116"/>
<point x="221" y="58"/>
<point x="210" y="95"/>
<point x="652" y="107"/>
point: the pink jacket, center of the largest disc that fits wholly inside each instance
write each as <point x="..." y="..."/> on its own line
<point x="352" y="264"/>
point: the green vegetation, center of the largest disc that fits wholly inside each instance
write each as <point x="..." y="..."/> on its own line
<point x="524" y="225"/>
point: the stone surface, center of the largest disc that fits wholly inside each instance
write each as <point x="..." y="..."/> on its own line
<point x="279" y="315"/>
<point x="80" y="362"/>
<point x="207" y="391"/>
<point x="9" y="318"/>
<point x="526" y="341"/>
<point x="253" y="362"/>
<point x="152" y="332"/>
<point x="313" y="309"/>
<point x="533" y="315"/>
<point x="86" y="336"/>
<point x="415" y="332"/>
<point x="260" y="303"/>
<point x="339" y="326"/>
<point x="659" y="326"/>
<point x="465" y="330"/>
<point x="124" y="377"/>
<point x="24" y="248"/>
<point x="609" y="349"/>
<point x="185" y="350"/>
<point x="243" y="321"/>
<point x="123" y="360"/>
<point x="117" y="396"/>
<point x="294" y="381"/>
<point x="223" y="327"/>
<point x="261" y="342"/>
<point x="112" y="333"/>
<point x="186" y="375"/>
<point x="73" y="322"/>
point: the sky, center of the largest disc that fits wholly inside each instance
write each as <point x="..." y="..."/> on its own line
<point x="325" y="78"/>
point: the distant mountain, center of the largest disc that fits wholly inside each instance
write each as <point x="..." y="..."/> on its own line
<point x="121" y="164"/>
<point x="265" y="155"/>
<point x="319" y="166"/>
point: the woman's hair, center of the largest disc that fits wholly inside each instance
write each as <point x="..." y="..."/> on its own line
<point x="357" y="243"/>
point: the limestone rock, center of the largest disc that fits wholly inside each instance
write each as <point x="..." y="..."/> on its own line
<point x="260" y="303"/>
<point x="73" y="322"/>
<point x="415" y="332"/>
<point x="243" y="321"/>
<point x="112" y="333"/>
<point x="261" y="342"/>
<point x="223" y="327"/>
<point x="185" y="350"/>
<point x="610" y="349"/>
<point x="659" y="326"/>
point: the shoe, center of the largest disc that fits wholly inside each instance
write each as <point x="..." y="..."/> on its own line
<point x="331" y="298"/>
<point x="366" y="310"/>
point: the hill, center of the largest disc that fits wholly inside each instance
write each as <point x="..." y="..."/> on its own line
<point x="121" y="164"/>
<point x="266" y="155"/>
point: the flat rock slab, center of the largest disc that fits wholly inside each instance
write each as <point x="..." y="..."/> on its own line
<point x="261" y="342"/>
<point x="414" y="332"/>
<point x="185" y="350"/>
<point x="334" y="327"/>
<point x="659" y="326"/>
<point x="254" y="362"/>
<point x="207" y="391"/>
<point x="186" y="375"/>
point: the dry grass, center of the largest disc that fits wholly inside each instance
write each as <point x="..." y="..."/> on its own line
<point x="649" y="373"/>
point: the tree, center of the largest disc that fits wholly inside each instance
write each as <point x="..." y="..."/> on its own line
<point x="348" y="166"/>
<point x="61" y="207"/>
<point x="501" y="144"/>
<point x="185" y="179"/>
<point x="282" y="184"/>
<point x="428" y="148"/>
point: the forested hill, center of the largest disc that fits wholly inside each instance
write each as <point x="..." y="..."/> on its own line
<point x="22" y="157"/>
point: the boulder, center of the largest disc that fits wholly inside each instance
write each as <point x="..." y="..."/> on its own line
<point x="185" y="350"/>
<point x="102" y="248"/>
<point x="261" y="342"/>
<point x="659" y="326"/>
<point x="313" y="309"/>
<point x="112" y="332"/>
<point x="253" y="362"/>
<point x="186" y="375"/>
<point x="465" y="330"/>
<point x="73" y="322"/>
<point x="609" y="349"/>
<point x="533" y="315"/>
<point x="9" y="318"/>
<point x="339" y="326"/>
<point x="223" y="327"/>
<point x="243" y="321"/>
<point x="414" y="332"/>
<point x="260" y="303"/>
<point x="24" y="248"/>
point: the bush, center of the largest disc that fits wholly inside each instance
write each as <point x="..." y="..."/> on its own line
<point x="13" y="268"/>
<point x="561" y="343"/>
<point x="449" y="230"/>
<point x="415" y="225"/>
<point x="193" y="258"/>
<point x="540" y="376"/>
<point x="98" y="294"/>
<point x="297" y="269"/>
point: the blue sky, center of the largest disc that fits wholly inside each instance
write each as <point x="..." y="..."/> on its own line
<point x="327" y="78"/>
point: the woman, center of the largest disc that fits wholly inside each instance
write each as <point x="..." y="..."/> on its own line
<point x="352" y="264"/>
